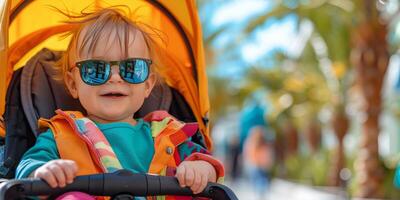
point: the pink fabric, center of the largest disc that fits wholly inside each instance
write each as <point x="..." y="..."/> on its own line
<point x="75" y="196"/>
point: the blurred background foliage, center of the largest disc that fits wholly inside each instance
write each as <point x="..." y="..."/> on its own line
<point x="329" y="82"/>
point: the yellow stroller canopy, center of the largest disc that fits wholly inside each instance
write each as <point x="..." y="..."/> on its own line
<point x="29" y="25"/>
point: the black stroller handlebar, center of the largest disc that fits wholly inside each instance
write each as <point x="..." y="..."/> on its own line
<point x="112" y="184"/>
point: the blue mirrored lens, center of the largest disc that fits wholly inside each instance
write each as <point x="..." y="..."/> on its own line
<point x="134" y="71"/>
<point x="95" y="72"/>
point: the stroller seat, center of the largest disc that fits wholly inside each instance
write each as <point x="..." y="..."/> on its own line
<point x="28" y="26"/>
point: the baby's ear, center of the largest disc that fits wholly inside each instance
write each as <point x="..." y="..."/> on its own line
<point x="71" y="85"/>
<point x="149" y="84"/>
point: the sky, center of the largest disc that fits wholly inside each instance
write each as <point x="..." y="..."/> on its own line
<point x="276" y="35"/>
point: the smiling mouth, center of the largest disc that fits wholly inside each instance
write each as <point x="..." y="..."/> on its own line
<point x="113" y="95"/>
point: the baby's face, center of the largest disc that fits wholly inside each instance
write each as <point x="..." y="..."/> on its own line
<point x="116" y="100"/>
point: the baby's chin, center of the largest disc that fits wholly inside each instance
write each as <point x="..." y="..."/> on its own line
<point x="112" y="116"/>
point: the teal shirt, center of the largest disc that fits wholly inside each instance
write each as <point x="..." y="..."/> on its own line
<point x="133" y="146"/>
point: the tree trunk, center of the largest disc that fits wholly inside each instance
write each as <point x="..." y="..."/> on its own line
<point x="340" y="124"/>
<point x="291" y="139"/>
<point x="313" y="135"/>
<point x="370" y="57"/>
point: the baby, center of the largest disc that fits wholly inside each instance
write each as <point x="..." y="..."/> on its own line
<point x="108" y="66"/>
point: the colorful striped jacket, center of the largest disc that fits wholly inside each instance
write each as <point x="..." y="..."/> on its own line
<point x="79" y="139"/>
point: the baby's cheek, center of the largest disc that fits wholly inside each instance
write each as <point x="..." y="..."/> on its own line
<point x="88" y="101"/>
<point x="136" y="102"/>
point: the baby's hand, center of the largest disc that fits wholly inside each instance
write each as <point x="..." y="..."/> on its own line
<point x="57" y="173"/>
<point x="195" y="174"/>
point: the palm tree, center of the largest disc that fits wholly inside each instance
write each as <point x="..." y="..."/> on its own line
<point x="370" y="57"/>
<point x="331" y="27"/>
<point x="337" y="23"/>
<point x="220" y="95"/>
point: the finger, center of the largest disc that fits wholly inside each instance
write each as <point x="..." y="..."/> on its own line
<point x="72" y="164"/>
<point x="180" y="175"/>
<point x="68" y="171"/>
<point x="189" y="177"/>
<point x="73" y="167"/>
<point x="196" y="181"/>
<point x="204" y="181"/>
<point x="58" y="174"/>
<point x="48" y="177"/>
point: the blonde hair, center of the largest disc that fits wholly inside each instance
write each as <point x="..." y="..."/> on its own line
<point x="92" y="26"/>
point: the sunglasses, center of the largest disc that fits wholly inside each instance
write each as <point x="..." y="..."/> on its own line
<point x="98" y="72"/>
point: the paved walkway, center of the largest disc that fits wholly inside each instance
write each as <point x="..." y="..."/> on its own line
<point x="284" y="190"/>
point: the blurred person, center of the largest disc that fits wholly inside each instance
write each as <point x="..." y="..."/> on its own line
<point x="251" y="116"/>
<point x="396" y="181"/>
<point x="234" y="157"/>
<point x="258" y="158"/>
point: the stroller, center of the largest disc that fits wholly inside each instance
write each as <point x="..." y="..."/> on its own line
<point x="30" y="92"/>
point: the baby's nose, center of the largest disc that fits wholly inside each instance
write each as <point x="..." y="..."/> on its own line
<point x="115" y="77"/>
